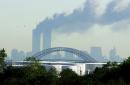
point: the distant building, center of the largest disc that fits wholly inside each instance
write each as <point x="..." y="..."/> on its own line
<point x="96" y="53"/>
<point x="37" y="34"/>
<point x="17" y="55"/>
<point x="114" y="57"/>
<point x="22" y="55"/>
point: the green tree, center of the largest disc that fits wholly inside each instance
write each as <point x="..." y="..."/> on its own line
<point x="110" y="65"/>
<point x="52" y="76"/>
<point x="68" y="77"/>
<point x="32" y="59"/>
<point x="3" y="55"/>
<point x="34" y="69"/>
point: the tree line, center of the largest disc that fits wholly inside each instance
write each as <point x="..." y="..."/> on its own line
<point x="35" y="74"/>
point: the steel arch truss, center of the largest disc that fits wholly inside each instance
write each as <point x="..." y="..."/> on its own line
<point x="86" y="58"/>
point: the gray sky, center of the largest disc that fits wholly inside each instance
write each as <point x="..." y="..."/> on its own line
<point x="19" y="17"/>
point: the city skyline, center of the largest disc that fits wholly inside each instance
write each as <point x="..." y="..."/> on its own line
<point x="106" y="34"/>
<point x="95" y="52"/>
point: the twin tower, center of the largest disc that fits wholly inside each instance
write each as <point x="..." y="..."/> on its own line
<point x="41" y="39"/>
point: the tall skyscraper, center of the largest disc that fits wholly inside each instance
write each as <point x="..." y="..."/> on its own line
<point x="39" y="33"/>
<point x="114" y="57"/>
<point x="96" y="53"/>
<point x="14" y="54"/>
<point x="35" y="41"/>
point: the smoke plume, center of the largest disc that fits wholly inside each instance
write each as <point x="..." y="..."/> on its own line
<point x="82" y="20"/>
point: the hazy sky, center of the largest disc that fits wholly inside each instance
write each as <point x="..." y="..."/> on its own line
<point x="19" y="17"/>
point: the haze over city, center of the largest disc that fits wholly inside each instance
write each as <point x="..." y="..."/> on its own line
<point x="79" y="24"/>
<point x="64" y="42"/>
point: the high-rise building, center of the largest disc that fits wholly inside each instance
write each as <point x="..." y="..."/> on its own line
<point x="114" y="57"/>
<point x="39" y="33"/>
<point x="14" y="54"/>
<point x="96" y="53"/>
<point x="17" y="55"/>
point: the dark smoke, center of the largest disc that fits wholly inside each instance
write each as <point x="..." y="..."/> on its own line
<point x="82" y="20"/>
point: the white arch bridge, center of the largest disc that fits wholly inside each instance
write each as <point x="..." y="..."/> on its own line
<point x="84" y="56"/>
